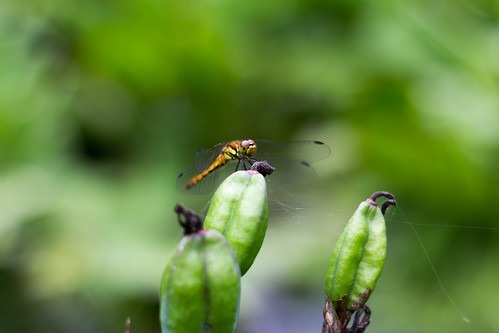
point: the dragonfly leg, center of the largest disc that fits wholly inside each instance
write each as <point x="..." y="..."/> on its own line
<point x="237" y="165"/>
<point x="250" y="162"/>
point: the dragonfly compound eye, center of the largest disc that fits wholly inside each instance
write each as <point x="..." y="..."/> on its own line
<point x="248" y="147"/>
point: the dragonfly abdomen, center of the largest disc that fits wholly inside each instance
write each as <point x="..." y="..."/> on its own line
<point x="219" y="162"/>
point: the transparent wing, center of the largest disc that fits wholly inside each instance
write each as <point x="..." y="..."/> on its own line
<point x="302" y="151"/>
<point x="204" y="157"/>
<point x="289" y="173"/>
<point x="291" y="161"/>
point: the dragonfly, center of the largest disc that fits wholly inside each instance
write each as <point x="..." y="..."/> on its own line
<point x="291" y="159"/>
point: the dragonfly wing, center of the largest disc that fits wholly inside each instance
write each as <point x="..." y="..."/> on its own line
<point x="301" y="151"/>
<point x="290" y="173"/>
<point x="206" y="156"/>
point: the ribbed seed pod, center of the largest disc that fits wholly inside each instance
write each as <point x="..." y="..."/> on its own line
<point x="239" y="210"/>
<point x="200" y="288"/>
<point x="359" y="256"/>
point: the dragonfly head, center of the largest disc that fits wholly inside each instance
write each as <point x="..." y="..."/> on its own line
<point x="247" y="148"/>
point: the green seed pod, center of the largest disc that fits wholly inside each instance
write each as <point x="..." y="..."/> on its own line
<point x="239" y="210"/>
<point x="359" y="256"/>
<point x="200" y="287"/>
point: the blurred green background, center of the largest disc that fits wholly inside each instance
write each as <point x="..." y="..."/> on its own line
<point x="103" y="103"/>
